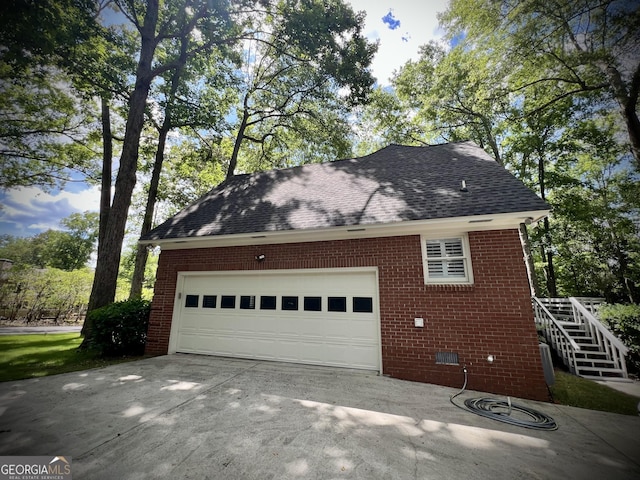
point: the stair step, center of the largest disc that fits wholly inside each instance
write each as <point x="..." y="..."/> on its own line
<point x="594" y="358"/>
<point x="595" y="363"/>
<point x="609" y="379"/>
<point x="600" y="372"/>
<point x="569" y="324"/>
<point x="589" y="360"/>
<point x="591" y="355"/>
<point x="578" y="334"/>
<point x="587" y="348"/>
<point x="594" y="369"/>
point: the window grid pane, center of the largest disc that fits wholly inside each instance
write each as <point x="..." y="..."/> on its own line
<point x="191" y="301"/>
<point x="337" y="304"/>
<point x="362" y="304"/>
<point x="446" y="259"/>
<point x="267" y="302"/>
<point x="228" y="301"/>
<point x="313" y="304"/>
<point x="247" y="302"/>
<point x="433" y="249"/>
<point x="289" y="303"/>
<point x="209" y="301"/>
<point x="455" y="268"/>
<point x="436" y="268"/>
<point x="453" y="248"/>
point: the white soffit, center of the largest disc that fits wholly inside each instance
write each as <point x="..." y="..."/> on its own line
<point x="444" y="226"/>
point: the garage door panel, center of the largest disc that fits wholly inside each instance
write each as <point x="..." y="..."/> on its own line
<point x="288" y="350"/>
<point x="263" y="329"/>
<point x="285" y="326"/>
<point x="338" y="327"/>
<point x="197" y="342"/>
<point x="353" y="329"/>
<point x="315" y="327"/>
<point x="194" y="321"/>
<point x="315" y="352"/>
<point x="265" y="348"/>
<point x="362" y="330"/>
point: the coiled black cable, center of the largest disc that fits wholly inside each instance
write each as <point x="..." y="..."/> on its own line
<point x="501" y="410"/>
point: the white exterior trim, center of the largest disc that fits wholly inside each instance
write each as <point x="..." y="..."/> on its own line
<point x="468" y="280"/>
<point x="436" y="227"/>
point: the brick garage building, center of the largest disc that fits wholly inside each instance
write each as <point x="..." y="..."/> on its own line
<point x="407" y="261"/>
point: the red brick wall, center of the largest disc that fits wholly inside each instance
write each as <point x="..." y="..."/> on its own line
<point x="491" y="317"/>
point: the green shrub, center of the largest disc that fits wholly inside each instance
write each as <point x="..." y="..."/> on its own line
<point x="624" y="321"/>
<point x="120" y="328"/>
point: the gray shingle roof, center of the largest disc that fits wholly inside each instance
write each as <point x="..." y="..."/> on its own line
<point x="397" y="183"/>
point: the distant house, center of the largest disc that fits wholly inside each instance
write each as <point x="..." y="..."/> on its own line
<point x="406" y="262"/>
<point x="5" y="265"/>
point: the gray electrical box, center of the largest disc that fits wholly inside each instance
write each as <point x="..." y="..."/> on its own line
<point x="547" y="364"/>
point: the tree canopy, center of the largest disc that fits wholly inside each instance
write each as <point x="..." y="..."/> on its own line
<point x="68" y="249"/>
<point x="160" y="101"/>
<point x="566" y="48"/>
<point x="550" y="90"/>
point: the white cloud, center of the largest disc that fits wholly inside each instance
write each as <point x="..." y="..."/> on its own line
<point x="418" y="25"/>
<point x="30" y="210"/>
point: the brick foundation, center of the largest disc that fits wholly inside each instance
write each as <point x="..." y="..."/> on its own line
<point x="491" y="317"/>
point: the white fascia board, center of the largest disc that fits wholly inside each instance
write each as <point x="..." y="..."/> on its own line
<point x="455" y="225"/>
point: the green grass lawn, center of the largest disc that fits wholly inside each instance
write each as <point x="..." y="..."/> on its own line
<point x="579" y="392"/>
<point x="39" y="355"/>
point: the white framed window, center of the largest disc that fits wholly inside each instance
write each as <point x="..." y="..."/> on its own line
<point x="447" y="260"/>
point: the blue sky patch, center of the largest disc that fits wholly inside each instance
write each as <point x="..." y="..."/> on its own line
<point x="390" y="21"/>
<point x="459" y="37"/>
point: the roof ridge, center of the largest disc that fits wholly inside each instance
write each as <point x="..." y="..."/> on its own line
<point x="243" y="176"/>
<point x="430" y="144"/>
<point x="312" y="164"/>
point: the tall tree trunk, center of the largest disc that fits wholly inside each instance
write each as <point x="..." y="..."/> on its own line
<point x="547" y="256"/>
<point x="103" y="290"/>
<point x="486" y="124"/>
<point x="623" y="271"/>
<point x="528" y="260"/>
<point x="628" y="100"/>
<point x="141" y="252"/>
<point x="107" y="161"/>
<point x="105" y="192"/>
<point x="547" y="244"/>
<point x="233" y="161"/>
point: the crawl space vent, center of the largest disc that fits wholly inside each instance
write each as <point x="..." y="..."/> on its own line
<point x="447" y="358"/>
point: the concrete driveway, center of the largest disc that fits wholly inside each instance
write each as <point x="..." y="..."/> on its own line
<point x="189" y="416"/>
<point x="38" y="330"/>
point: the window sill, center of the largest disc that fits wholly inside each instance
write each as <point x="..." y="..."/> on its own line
<point x="450" y="286"/>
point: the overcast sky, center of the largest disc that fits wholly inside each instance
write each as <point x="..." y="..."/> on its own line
<point x="401" y="26"/>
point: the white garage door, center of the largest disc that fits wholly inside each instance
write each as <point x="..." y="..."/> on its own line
<point x="321" y="317"/>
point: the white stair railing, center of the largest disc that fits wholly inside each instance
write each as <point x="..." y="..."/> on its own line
<point x="556" y="334"/>
<point x="590" y="303"/>
<point x="608" y="342"/>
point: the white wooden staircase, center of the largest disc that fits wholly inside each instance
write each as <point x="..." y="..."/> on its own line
<point x="586" y="346"/>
